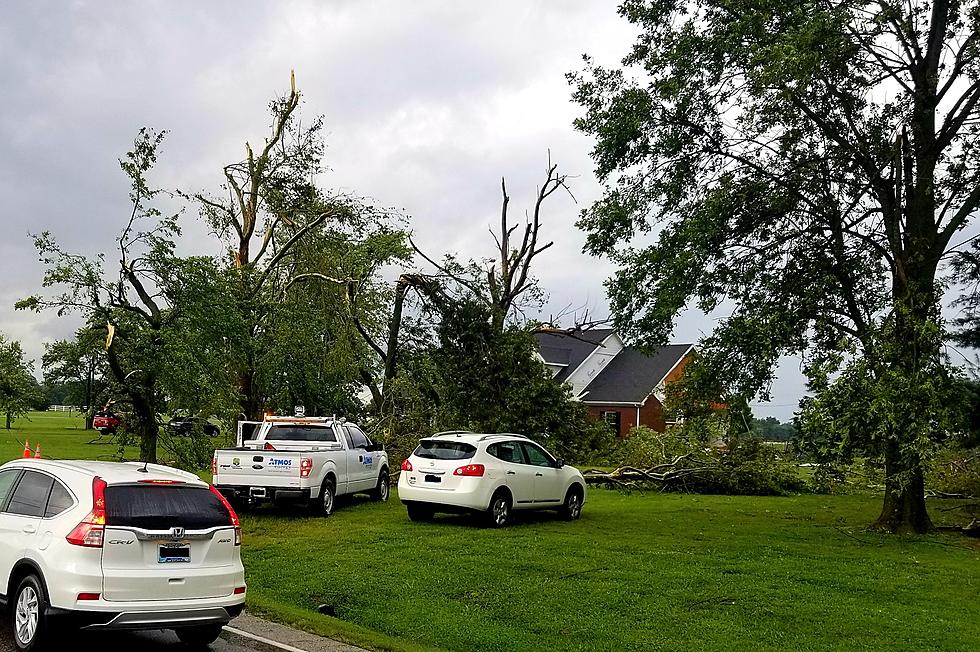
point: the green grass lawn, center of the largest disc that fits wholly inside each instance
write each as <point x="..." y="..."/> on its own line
<point x="637" y="572"/>
<point x="62" y="435"/>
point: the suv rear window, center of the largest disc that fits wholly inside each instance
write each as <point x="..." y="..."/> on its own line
<point x="161" y="507"/>
<point x="301" y="433"/>
<point x="444" y="450"/>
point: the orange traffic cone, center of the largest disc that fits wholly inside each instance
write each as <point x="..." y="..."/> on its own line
<point x="37" y="452"/>
<point x="27" y="448"/>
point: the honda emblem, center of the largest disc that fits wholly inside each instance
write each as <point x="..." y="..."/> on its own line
<point x="177" y="532"/>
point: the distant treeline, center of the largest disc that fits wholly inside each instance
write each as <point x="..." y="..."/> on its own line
<point x="771" y="429"/>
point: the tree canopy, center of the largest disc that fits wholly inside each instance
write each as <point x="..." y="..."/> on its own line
<point x="19" y="390"/>
<point x="806" y="165"/>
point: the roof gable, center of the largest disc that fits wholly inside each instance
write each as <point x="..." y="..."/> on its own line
<point x="633" y="376"/>
<point x="569" y="351"/>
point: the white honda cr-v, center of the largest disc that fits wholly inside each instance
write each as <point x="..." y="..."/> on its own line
<point x="102" y="545"/>
<point x="491" y="474"/>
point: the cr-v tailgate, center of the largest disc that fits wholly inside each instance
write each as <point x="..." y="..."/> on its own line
<point x="257" y="468"/>
<point x="167" y="542"/>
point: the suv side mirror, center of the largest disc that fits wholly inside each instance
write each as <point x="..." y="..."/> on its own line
<point x="559" y="463"/>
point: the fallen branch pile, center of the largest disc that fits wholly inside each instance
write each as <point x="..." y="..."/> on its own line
<point x="675" y="474"/>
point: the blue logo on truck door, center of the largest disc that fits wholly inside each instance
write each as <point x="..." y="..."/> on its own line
<point x="368" y="459"/>
<point x="277" y="462"/>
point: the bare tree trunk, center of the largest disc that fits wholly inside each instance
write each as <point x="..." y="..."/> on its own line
<point x="904" y="506"/>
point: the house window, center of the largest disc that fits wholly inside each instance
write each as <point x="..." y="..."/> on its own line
<point x="613" y="419"/>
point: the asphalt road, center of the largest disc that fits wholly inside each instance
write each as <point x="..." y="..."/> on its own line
<point x="152" y="641"/>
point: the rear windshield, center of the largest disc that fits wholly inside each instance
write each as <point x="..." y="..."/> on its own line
<point x="301" y="433"/>
<point x="444" y="450"/>
<point x="161" y="507"/>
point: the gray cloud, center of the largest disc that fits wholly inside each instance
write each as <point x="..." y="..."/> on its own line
<point x="427" y="105"/>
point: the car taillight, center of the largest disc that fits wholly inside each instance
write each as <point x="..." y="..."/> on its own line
<point x="160" y="481"/>
<point x="231" y="513"/>
<point x="406" y="465"/>
<point x="91" y="531"/>
<point x="471" y="470"/>
<point x="269" y="447"/>
<point x="214" y="466"/>
<point x="88" y="596"/>
<point x="305" y="467"/>
<point x="239" y="590"/>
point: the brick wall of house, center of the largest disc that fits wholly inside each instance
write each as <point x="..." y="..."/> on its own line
<point x="627" y="416"/>
<point x="651" y="413"/>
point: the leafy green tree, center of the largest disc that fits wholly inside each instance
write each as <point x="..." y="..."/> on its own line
<point x="489" y="380"/>
<point x="19" y="390"/>
<point x="79" y="366"/>
<point x="267" y="207"/>
<point x="337" y="272"/>
<point x="156" y="306"/>
<point x="807" y="164"/>
<point x="771" y="429"/>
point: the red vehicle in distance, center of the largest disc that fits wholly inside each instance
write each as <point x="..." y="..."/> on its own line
<point x="106" y="422"/>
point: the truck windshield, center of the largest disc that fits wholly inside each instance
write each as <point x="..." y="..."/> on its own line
<point x="301" y="433"/>
<point x="444" y="450"/>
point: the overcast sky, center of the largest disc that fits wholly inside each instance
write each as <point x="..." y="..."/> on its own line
<point x="427" y="105"/>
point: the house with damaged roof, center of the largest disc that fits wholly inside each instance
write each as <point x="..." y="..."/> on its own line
<point x="620" y="384"/>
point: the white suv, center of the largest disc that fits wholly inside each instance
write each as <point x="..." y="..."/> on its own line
<point x="102" y="545"/>
<point x="493" y="474"/>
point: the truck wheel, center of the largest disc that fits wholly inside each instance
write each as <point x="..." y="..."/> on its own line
<point x="328" y="494"/>
<point x="27" y="615"/>
<point x="383" y="490"/>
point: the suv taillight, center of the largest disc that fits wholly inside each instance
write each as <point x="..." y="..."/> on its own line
<point x="231" y="513"/>
<point x="305" y="467"/>
<point x="406" y="465"/>
<point x="471" y="470"/>
<point x="91" y="531"/>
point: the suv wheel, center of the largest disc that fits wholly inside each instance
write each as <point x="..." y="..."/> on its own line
<point x="499" y="513"/>
<point x="200" y="636"/>
<point x="27" y="618"/>
<point x="383" y="490"/>
<point x="572" y="508"/>
<point x="420" y="512"/>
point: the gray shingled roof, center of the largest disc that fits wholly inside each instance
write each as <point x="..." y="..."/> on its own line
<point x="632" y="376"/>
<point x="556" y="348"/>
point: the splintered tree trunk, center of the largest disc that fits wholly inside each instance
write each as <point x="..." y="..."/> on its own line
<point x="904" y="507"/>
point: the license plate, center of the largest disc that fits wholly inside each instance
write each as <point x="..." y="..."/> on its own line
<point x="174" y="554"/>
<point x="433" y="478"/>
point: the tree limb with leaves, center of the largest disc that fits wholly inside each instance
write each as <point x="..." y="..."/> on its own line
<point x="809" y="164"/>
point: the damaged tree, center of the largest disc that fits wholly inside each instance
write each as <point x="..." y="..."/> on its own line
<point x="130" y="305"/>
<point x="271" y="204"/>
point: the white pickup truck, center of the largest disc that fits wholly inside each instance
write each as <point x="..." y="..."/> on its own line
<point x="311" y="460"/>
